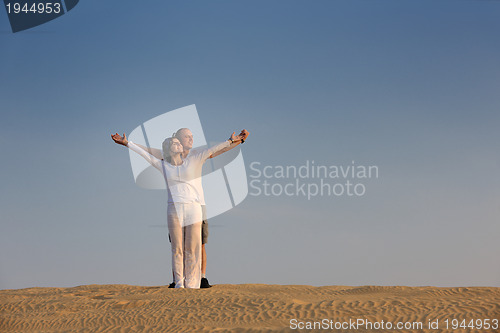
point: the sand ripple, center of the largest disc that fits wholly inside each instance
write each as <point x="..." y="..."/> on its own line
<point x="237" y="308"/>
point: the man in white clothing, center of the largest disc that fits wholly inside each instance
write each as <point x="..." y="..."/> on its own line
<point x="185" y="137"/>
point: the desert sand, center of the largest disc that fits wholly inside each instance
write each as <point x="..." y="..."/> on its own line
<point x="246" y="308"/>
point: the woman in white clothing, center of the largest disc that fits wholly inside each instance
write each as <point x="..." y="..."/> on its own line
<point x="185" y="193"/>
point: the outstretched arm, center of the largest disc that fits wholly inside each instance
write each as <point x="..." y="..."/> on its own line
<point x="147" y="156"/>
<point x="153" y="151"/>
<point x="123" y="141"/>
<point x="236" y="141"/>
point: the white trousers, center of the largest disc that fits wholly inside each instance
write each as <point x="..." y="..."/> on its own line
<point x="184" y="225"/>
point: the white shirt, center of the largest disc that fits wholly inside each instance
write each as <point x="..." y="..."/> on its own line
<point x="183" y="181"/>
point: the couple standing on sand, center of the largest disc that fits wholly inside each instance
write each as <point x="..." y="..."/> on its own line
<point x="181" y="167"/>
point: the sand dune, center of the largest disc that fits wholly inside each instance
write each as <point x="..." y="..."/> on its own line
<point x="245" y="308"/>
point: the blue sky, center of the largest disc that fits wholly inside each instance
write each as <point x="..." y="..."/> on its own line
<point x="409" y="86"/>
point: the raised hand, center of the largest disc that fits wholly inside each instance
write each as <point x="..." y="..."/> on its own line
<point x="243" y="134"/>
<point x="119" y="139"/>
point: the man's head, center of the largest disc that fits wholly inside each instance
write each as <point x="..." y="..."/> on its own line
<point x="185" y="137"/>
